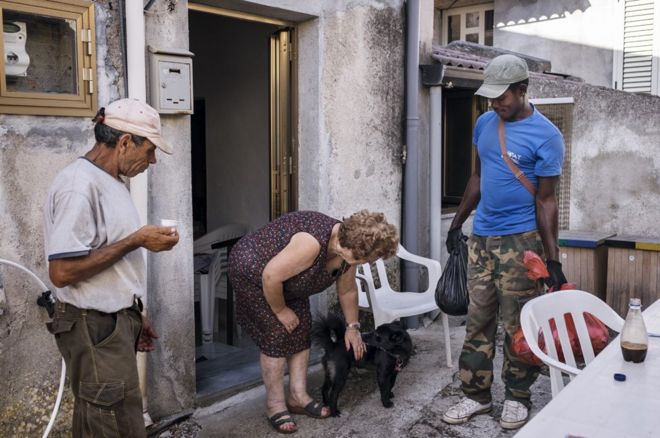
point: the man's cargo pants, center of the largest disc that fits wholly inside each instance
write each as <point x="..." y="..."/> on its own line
<point x="99" y="351"/>
<point x="497" y="284"/>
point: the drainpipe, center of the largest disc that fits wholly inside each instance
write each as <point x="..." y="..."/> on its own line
<point x="137" y="89"/>
<point x="411" y="166"/>
<point x="432" y="77"/>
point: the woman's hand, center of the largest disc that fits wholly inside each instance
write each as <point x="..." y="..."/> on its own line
<point x="288" y="318"/>
<point x="353" y="338"/>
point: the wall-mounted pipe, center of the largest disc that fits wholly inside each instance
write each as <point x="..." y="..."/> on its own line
<point x="139" y="185"/>
<point x="411" y="167"/>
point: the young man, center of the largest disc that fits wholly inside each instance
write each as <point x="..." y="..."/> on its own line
<point x="509" y="220"/>
<point x="94" y="244"/>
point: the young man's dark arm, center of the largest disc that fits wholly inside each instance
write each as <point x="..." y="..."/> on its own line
<point x="471" y="198"/>
<point x="547" y="216"/>
<point x="547" y="220"/>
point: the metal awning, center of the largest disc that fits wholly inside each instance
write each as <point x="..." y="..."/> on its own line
<point x="463" y="65"/>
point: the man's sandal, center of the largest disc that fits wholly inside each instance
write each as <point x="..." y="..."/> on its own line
<point x="313" y="409"/>
<point x="280" y="419"/>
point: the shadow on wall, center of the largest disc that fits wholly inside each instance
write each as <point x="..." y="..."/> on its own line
<point x="565" y="57"/>
<point x="530" y="11"/>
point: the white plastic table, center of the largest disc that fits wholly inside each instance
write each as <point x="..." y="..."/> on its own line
<point x="594" y="405"/>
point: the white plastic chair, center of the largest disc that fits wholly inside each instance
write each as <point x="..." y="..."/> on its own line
<point x="387" y="305"/>
<point x="210" y="288"/>
<point x="210" y="284"/>
<point x="538" y="312"/>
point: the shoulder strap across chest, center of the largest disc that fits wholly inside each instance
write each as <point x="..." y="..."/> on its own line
<point x="520" y="176"/>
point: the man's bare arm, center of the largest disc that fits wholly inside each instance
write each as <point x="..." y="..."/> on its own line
<point x="71" y="270"/>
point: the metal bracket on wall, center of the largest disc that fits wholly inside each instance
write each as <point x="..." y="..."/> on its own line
<point x="404" y="154"/>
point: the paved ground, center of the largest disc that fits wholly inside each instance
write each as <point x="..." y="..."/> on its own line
<point x="424" y="390"/>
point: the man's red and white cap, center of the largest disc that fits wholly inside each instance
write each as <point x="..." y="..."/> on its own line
<point x="137" y="118"/>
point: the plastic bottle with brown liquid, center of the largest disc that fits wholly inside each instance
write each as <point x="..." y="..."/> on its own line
<point x="634" y="339"/>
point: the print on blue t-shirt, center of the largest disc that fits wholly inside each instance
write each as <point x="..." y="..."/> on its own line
<point x="537" y="148"/>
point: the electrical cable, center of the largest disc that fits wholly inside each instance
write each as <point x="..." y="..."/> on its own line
<point x="44" y="297"/>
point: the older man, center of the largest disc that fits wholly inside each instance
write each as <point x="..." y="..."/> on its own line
<point x="519" y="160"/>
<point x="94" y="244"/>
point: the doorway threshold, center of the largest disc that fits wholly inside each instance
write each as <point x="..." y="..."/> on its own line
<point x="225" y="370"/>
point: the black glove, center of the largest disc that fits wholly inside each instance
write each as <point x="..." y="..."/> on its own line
<point x="454" y="237"/>
<point x="556" y="278"/>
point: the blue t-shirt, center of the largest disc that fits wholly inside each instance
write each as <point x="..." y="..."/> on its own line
<point x="537" y="148"/>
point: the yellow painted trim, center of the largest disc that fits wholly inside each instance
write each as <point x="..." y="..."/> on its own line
<point x="38" y="103"/>
<point x="236" y="14"/>
<point x="647" y="246"/>
<point x="47" y="111"/>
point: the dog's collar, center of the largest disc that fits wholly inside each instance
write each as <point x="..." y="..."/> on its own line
<point x="399" y="364"/>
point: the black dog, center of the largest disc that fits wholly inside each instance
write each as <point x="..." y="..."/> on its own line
<point x="388" y="348"/>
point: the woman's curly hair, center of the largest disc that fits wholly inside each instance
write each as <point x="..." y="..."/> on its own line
<point x="368" y="235"/>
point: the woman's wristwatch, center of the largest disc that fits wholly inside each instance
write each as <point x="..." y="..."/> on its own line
<point x="353" y="326"/>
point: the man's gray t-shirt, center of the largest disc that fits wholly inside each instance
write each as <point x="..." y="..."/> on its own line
<point x="87" y="209"/>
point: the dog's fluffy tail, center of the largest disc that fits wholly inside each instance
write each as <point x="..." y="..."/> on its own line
<point x="328" y="331"/>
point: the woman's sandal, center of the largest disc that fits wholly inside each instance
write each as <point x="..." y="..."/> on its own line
<point x="313" y="409"/>
<point x="280" y="419"/>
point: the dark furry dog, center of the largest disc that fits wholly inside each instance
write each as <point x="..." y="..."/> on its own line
<point x="388" y="348"/>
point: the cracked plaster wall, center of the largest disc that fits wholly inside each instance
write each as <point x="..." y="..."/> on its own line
<point x="615" y="164"/>
<point x="351" y="110"/>
<point x="361" y="111"/>
<point x="32" y="150"/>
<point x="351" y="104"/>
<point x="171" y="368"/>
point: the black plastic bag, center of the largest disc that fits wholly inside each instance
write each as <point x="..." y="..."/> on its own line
<point x="451" y="295"/>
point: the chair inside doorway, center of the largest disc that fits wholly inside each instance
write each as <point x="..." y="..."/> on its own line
<point x="222" y="355"/>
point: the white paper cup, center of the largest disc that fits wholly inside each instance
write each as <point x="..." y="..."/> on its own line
<point x="169" y="223"/>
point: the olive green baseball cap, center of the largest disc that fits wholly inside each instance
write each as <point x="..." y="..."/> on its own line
<point x="500" y="73"/>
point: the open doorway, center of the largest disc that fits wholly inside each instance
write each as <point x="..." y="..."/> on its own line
<point x="461" y="109"/>
<point x="242" y="174"/>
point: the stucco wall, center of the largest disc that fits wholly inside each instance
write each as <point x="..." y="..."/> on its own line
<point x="615" y="164"/>
<point x="32" y="150"/>
<point x="171" y="368"/>
<point x="351" y="81"/>
<point x="360" y="110"/>
<point x="351" y="109"/>
<point x="578" y="36"/>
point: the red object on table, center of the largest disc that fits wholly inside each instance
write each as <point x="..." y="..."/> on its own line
<point x="598" y="332"/>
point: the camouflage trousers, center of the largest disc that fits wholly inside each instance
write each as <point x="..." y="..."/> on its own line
<point x="498" y="285"/>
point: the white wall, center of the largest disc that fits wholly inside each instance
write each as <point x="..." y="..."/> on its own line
<point x="577" y="36"/>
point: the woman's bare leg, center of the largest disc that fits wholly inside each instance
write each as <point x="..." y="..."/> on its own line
<point x="272" y="371"/>
<point x="298" y="395"/>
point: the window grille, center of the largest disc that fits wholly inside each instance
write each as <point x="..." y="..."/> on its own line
<point x="560" y="112"/>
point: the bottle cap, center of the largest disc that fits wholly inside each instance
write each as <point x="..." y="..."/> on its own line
<point x="619" y="377"/>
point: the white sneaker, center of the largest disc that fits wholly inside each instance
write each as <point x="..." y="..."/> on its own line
<point x="462" y="411"/>
<point x="514" y="415"/>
